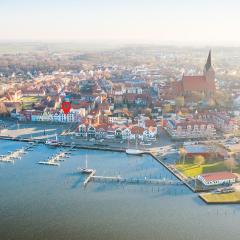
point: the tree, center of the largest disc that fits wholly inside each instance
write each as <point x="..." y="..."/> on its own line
<point x="3" y="109"/>
<point x="179" y="101"/>
<point x="167" y="108"/>
<point x="199" y="160"/>
<point x="183" y="154"/>
<point x="230" y="163"/>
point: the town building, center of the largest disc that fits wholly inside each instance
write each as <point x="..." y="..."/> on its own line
<point x="207" y="151"/>
<point x="217" y="178"/>
<point x="190" y="129"/>
<point x="221" y="120"/>
<point x="204" y="84"/>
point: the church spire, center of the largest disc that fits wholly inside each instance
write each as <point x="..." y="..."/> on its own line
<point x="209" y="61"/>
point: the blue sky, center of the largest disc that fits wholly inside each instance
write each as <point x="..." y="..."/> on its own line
<point x="133" y="21"/>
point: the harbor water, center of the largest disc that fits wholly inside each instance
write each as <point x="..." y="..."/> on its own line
<point x="50" y="202"/>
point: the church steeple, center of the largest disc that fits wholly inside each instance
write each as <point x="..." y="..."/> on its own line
<point x="208" y="64"/>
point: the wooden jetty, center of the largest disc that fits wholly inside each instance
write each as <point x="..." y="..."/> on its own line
<point x="55" y="159"/>
<point x="136" y="180"/>
<point x="49" y="163"/>
<point x="17" y="154"/>
<point x="119" y="179"/>
<point x="88" y="179"/>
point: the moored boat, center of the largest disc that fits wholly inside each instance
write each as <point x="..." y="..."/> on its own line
<point x="86" y="169"/>
<point x="52" y="142"/>
<point x="131" y="151"/>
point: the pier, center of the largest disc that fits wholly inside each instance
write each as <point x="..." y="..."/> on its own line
<point x="88" y="179"/>
<point x="53" y="161"/>
<point x="119" y="179"/>
<point x="12" y="156"/>
<point x="49" y="163"/>
<point x="173" y="171"/>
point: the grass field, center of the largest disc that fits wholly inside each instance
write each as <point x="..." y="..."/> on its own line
<point x="233" y="197"/>
<point x="193" y="170"/>
<point x="28" y="101"/>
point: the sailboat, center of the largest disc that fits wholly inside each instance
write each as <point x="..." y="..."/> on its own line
<point x="86" y="169"/>
<point x="132" y="151"/>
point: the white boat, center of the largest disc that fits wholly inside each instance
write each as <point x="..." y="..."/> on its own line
<point x="52" y="142"/>
<point x="86" y="169"/>
<point x="131" y="151"/>
<point x="145" y="144"/>
<point x="134" y="151"/>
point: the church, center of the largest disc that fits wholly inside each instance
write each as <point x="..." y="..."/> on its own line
<point x="204" y="84"/>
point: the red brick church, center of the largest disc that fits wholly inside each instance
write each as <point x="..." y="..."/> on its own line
<point x="201" y="84"/>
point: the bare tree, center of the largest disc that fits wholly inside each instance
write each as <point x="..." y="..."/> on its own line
<point x="199" y="160"/>
<point x="230" y="163"/>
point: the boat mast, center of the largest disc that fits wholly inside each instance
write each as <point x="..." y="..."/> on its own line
<point x="136" y="141"/>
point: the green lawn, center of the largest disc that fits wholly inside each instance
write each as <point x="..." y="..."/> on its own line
<point x="192" y="170"/>
<point x="28" y="101"/>
<point x="233" y="197"/>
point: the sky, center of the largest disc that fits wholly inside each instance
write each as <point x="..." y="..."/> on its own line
<point x="128" y="21"/>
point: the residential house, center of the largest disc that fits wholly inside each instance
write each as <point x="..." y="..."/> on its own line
<point x="193" y="129"/>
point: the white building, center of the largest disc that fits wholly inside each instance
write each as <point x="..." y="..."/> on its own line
<point x="59" y="116"/>
<point x="190" y="129"/>
<point x="217" y="178"/>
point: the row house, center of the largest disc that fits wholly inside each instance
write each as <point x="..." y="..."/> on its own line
<point x="102" y="131"/>
<point x="149" y="126"/>
<point x="224" y="123"/>
<point x="137" y="90"/>
<point x="108" y="131"/>
<point x="33" y="92"/>
<point x="137" y="99"/>
<point x="119" y="120"/>
<point x="182" y="129"/>
<point x="58" y="116"/>
<point x="221" y="120"/>
<point x="86" y="130"/>
<point x="118" y="98"/>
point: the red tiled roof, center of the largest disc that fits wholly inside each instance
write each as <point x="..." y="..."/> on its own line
<point x="150" y="123"/>
<point x="81" y="105"/>
<point x="218" y="176"/>
<point x="137" y="130"/>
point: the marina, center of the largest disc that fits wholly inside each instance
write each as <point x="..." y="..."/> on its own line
<point x="15" y="155"/>
<point x="156" y="153"/>
<point x="55" y="159"/>
<point x="57" y="193"/>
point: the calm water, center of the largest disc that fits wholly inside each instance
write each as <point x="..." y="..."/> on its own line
<point x="44" y="202"/>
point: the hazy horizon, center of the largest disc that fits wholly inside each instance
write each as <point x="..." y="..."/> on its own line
<point x="170" y="22"/>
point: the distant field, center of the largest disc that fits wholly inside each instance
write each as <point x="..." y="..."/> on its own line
<point x="13" y="48"/>
<point x="193" y="170"/>
<point x="28" y="101"/>
<point x="26" y="47"/>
